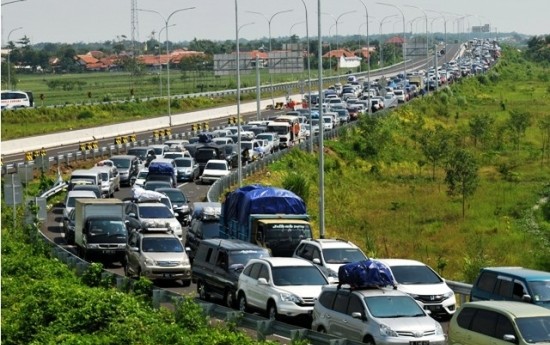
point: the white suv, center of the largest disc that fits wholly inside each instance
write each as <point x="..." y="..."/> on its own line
<point x="374" y="316"/>
<point x="329" y="255"/>
<point x="279" y="286"/>
<point x="424" y="285"/>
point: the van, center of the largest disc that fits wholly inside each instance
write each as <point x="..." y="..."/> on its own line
<point x="110" y="179"/>
<point x="218" y="264"/>
<point x="512" y="284"/>
<point x="84" y="176"/>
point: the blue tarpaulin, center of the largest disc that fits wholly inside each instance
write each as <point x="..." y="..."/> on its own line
<point x="258" y="199"/>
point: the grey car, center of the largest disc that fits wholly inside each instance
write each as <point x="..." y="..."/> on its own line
<point x="187" y="169"/>
<point x="128" y="166"/>
<point x="374" y="316"/>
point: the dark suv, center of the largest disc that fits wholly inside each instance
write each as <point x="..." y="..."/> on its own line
<point x="218" y="264"/>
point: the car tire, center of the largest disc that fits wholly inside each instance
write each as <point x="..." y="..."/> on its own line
<point x="229" y="299"/>
<point x="201" y="291"/>
<point x="272" y="311"/>
<point x="321" y="329"/>
<point x="186" y="282"/>
<point x="369" y="340"/>
<point x="242" y="303"/>
<point x="126" y="270"/>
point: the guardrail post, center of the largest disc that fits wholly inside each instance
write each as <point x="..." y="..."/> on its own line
<point x="156" y="298"/>
<point x="263" y="328"/>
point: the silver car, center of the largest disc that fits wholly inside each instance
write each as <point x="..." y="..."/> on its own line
<point x="380" y="316"/>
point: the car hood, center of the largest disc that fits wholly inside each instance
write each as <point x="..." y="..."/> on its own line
<point x="424" y="289"/>
<point x="419" y="324"/>
<point x="161" y="222"/>
<point x="168" y="256"/>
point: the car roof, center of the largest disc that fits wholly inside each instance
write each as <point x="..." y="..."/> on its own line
<point x="515" y="308"/>
<point x="231" y="244"/>
<point x="528" y="274"/>
<point x="371" y="291"/>
<point x="166" y="189"/>
<point x="331" y="243"/>
<point x="216" y="161"/>
<point x="123" y="157"/>
<point x="285" y="262"/>
<point x="81" y="193"/>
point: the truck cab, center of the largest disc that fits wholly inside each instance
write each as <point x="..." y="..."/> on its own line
<point x="280" y="236"/>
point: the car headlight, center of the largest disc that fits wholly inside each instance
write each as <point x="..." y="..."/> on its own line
<point x="93" y="246"/>
<point x="288" y="297"/>
<point x="448" y="295"/>
<point x="150" y="262"/>
<point x="438" y="329"/>
<point x="386" y="331"/>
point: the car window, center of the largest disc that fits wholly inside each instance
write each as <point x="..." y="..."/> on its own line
<point x="393" y="306"/>
<point x="534" y="329"/>
<point x="415" y="275"/>
<point x="504" y="288"/>
<point x="155" y="212"/>
<point x="264" y="273"/>
<point x="302" y="275"/>
<point x="343" y="255"/>
<point x="504" y="326"/>
<point x="243" y="256"/>
<point x="540" y="291"/>
<point x="355" y="305"/>
<point x="341" y="303"/>
<point x="255" y="270"/>
<point x="327" y="299"/>
<point x="487" y="281"/>
<point x="209" y="254"/>
<point x="484" y="322"/>
<point x="465" y="317"/>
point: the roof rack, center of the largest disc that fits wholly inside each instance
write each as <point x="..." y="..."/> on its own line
<point x="158" y="227"/>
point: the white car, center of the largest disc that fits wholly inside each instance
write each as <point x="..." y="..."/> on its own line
<point x="70" y="200"/>
<point x="280" y="286"/>
<point x="141" y="177"/>
<point x="329" y="254"/>
<point x="214" y="170"/>
<point x="380" y="316"/>
<point x="424" y="285"/>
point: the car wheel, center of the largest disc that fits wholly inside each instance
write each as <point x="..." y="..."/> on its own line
<point x="186" y="283"/>
<point x="229" y="299"/>
<point x="272" y="311"/>
<point x="242" y="303"/>
<point x="368" y="340"/>
<point x="201" y="290"/>
<point x="322" y="330"/>
<point x="127" y="270"/>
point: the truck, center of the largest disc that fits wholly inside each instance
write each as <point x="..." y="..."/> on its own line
<point x="270" y="217"/>
<point x="100" y="230"/>
<point x="417" y="80"/>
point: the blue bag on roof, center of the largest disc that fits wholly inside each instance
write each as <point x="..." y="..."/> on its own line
<point x="366" y="273"/>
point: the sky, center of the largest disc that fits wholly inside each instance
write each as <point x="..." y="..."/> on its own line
<point x="70" y="21"/>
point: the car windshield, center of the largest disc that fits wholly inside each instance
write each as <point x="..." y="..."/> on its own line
<point x="161" y="245"/>
<point x="137" y="152"/>
<point x="215" y="166"/>
<point x="301" y="275"/>
<point x="541" y="291"/>
<point x="142" y="174"/>
<point x="534" y="329"/>
<point x="210" y="229"/>
<point x="176" y="196"/>
<point x="265" y="136"/>
<point x="121" y="163"/>
<point x="183" y="163"/>
<point x="104" y="176"/>
<point x="107" y="228"/>
<point x="343" y="255"/>
<point x="155" y="212"/>
<point x="409" y="275"/>
<point x="152" y="185"/>
<point x="393" y="306"/>
<point x="159" y="150"/>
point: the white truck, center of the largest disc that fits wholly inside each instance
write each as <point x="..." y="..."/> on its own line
<point x="100" y="230"/>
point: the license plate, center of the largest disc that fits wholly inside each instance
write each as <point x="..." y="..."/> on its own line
<point x="419" y="342"/>
<point x="167" y="275"/>
<point x="108" y="251"/>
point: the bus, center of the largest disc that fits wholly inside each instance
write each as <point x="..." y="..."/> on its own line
<point x="17" y="99"/>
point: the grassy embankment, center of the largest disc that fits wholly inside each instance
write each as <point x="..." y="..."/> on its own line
<point x="380" y="193"/>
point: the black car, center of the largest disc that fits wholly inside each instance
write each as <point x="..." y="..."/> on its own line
<point x="218" y="264"/>
<point x="231" y="155"/>
<point x="145" y="154"/>
<point x="180" y="203"/>
<point x="205" y="217"/>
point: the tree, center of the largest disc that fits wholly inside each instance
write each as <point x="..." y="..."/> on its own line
<point x="518" y="123"/>
<point x="462" y="176"/>
<point x="544" y="126"/>
<point x="435" y="145"/>
<point x="480" y="126"/>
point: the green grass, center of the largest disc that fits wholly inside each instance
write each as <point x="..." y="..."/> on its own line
<point x="396" y="210"/>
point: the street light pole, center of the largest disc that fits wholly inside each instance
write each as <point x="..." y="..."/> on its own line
<point x="445" y="29"/>
<point x="368" y="51"/>
<point x="9" y="53"/>
<point x="166" y="21"/>
<point x="160" y="61"/>
<point x="4" y="4"/>
<point x="321" y="129"/>
<point x="404" y="40"/>
<point x="269" y="59"/>
<point x="308" y="80"/>
<point x="381" y="40"/>
<point x="426" y="19"/>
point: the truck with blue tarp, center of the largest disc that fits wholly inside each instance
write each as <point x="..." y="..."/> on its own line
<point x="271" y="217"/>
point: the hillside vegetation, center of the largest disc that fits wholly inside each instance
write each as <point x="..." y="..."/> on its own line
<point x="457" y="179"/>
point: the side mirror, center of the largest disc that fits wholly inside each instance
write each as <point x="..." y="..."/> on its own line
<point x="317" y="261"/>
<point x="357" y="315"/>
<point x="526" y="298"/>
<point x="262" y="281"/>
<point x="134" y="249"/>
